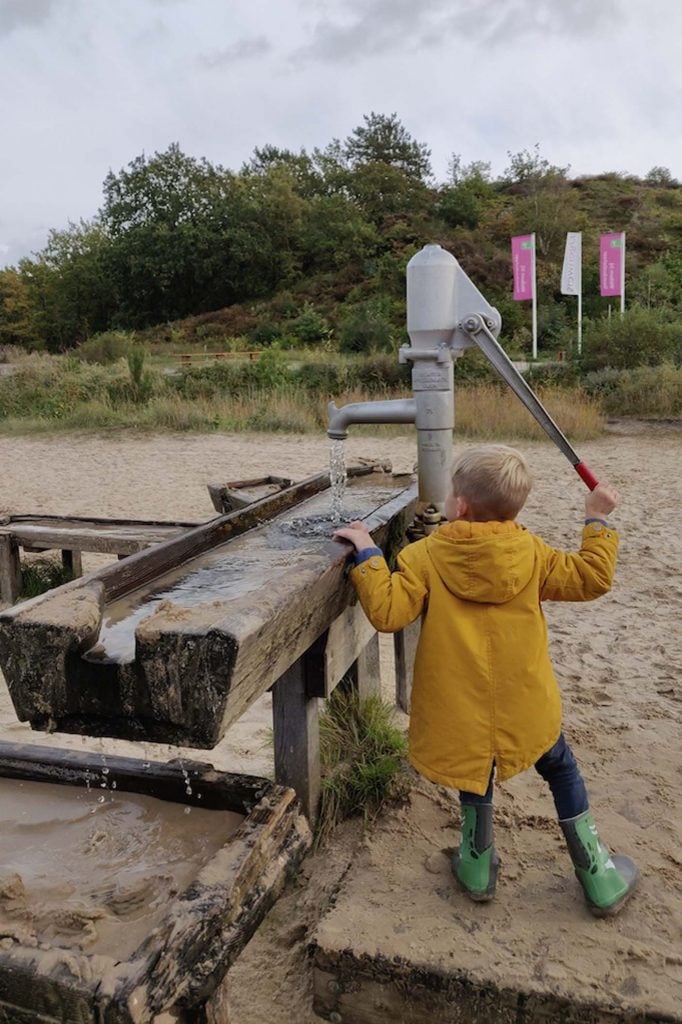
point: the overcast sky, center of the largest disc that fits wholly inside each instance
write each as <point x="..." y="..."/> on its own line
<point x="87" y="85"/>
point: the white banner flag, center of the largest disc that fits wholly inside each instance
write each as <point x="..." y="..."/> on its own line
<point x="571" y="275"/>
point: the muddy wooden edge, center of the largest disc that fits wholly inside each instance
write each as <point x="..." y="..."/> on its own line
<point x="185" y="958"/>
<point x="186" y="955"/>
<point x="211" y="789"/>
<point x="364" y="989"/>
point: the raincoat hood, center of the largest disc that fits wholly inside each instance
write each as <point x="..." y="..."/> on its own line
<point x="489" y="563"/>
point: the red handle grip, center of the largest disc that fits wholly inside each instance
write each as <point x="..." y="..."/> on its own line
<point x="586" y="474"/>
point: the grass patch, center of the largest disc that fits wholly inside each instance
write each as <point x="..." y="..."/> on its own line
<point x="482" y="411"/>
<point x="362" y="760"/>
<point x="40" y="575"/>
<point x="489" y="412"/>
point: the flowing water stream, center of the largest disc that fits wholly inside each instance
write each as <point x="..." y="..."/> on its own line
<point x="337" y="478"/>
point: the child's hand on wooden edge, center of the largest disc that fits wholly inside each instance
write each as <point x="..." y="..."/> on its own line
<point x="356" y="533"/>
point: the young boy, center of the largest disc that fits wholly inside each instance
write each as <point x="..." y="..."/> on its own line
<point x="485" y="699"/>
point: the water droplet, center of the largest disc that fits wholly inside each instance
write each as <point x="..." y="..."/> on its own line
<point x="105" y="771"/>
<point x="114" y="784"/>
<point x="101" y="799"/>
<point x="188" y="810"/>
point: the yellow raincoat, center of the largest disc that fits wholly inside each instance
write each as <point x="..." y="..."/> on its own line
<point x="484" y="689"/>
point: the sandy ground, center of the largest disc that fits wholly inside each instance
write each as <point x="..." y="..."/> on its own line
<point x="618" y="662"/>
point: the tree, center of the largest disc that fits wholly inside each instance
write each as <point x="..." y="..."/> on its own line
<point x="661" y="177"/>
<point x="383" y="139"/>
<point x="476" y="174"/>
<point x="70" y="287"/>
<point x="527" y="168"/>
<point x="16" y="320"/>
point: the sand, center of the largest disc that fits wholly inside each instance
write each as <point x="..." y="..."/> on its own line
<point x="618" y="663"/>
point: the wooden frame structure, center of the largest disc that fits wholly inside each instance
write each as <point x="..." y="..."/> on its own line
<point x="183" y="960"/>
<point x="299" y="652"/>
<point x="72" y="535"/>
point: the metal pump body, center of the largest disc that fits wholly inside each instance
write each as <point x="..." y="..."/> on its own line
<point x="446" y="314"/>
<point x="439" y="297"/>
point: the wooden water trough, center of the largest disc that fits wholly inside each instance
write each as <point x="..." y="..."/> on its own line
<point x="174" y="643"/>
<point x="178" y="966"/>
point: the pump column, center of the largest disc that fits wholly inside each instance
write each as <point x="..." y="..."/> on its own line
<point x="431" y="321"/>
<point x="433" y="387"/>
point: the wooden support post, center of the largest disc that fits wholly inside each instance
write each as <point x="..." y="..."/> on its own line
<point x="366" y="670"/>
<point x="297" y="736"/>
<point x="405" y="646"/>
<point x="72" y="562"/>
<point x="10" y="568"/>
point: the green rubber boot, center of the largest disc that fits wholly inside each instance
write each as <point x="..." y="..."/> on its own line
<point x="608" y="880"/>
<point x="475" y="863"/>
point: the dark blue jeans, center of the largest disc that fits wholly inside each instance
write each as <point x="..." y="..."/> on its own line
<point x="560" y="771"/>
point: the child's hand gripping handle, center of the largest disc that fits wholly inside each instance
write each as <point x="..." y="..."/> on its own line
<point x="586" y="474"/>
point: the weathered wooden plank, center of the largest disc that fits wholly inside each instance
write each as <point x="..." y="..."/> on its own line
<point x="367" y="670"/>
<point x="77" y="533"/>
<point x="344" y="641"/>
<point x="297" y="737"/>
<point x="405" y="647"/>
<point x="164" y="780"/>
<point x="10" y="568"/>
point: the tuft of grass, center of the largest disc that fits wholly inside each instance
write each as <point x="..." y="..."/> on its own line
<point x="362" y="754"/>
<point x="40" y="575"/>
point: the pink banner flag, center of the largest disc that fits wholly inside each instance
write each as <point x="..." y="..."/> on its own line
<point x="612" y="263"/>
<point x="523" y="264"/>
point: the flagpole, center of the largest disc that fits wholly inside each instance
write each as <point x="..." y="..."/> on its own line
<point x="580" y="320"/>
<point x="535" y="304"/>
<point x="622" y="274"/>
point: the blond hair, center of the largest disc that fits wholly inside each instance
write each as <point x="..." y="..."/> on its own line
<point x="493" y="479"/>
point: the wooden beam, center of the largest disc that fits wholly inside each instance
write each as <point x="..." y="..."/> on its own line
<point x="339" y="648"/>
<point x="367" y="671"/>
<point x="405" y="646"/>
<point x="10" y="568"/>
<point x="297" y="737"/>
<point x="72" y="562"/>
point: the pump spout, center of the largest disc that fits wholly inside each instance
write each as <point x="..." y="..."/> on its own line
<point x="394" y="410"/>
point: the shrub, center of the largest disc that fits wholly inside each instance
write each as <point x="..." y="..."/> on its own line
<point x="265" y="332"/>
<point x="472" y="366"/>
<point x="379" y="373"/>
<point x="140" y="380"/>
<point x="560" y="375"/>
<point x="641" y="338"/>
<point x="310" y="327"/>
<point x="652" y="391"/>
<point x="366" y="327"/>
<point x="41" y="575"/>
<point x="105" y="348"/>
<point x="328" y="378"/>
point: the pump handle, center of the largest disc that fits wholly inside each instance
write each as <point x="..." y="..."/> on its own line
<point x="586" y="474"/>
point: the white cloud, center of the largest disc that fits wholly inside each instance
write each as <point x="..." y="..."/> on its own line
<point x="90" y="85"/>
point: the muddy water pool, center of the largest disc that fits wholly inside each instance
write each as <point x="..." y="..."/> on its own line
<point x="94" y="869"/>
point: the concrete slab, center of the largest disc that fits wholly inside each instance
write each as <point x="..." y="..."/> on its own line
<point x="402" y="943"/>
